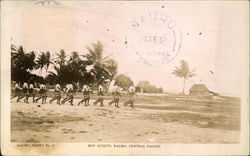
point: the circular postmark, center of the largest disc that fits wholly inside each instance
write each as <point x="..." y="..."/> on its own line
<point x="154" y="39"/>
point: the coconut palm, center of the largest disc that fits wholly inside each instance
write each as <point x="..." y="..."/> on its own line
<point x="74" y="57"/>
<point x="95" y="53"/>
<point x="112" y="66"/>
<point x="22" y="64"/>
<point x="183" y="72"/>
<point x="21" y="59"/>
<point x="59" y="74"/>
<point x="92" y="68"/>
<point x="103" y="67"/>
<point x="48" y="62"/>
<point x="61" y="58"/>
<point x="13" y="48"/>
<point x="43" y="61"/>
<point x="30" y="61"/>
<point x="68" y="71"/>
<point x="111" y="73"/>
<point x="77" y="67"/>
<point x="17" y="57"/>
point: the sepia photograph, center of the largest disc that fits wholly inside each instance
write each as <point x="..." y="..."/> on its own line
<point x="131" y="75"/>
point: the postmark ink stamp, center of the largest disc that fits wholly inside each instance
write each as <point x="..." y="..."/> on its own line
<point x="47" y="2"/>
<point x="153" y="39"/>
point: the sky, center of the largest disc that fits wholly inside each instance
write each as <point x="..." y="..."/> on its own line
<point x="214" y="37"/>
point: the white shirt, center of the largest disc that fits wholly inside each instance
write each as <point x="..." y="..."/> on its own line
<point x="57" y="87"/>
<point x="31" y="86"/>
<point x="100" y="87"/>
<point x="25" y="85"/>
<point x="69" y="87"/>
<point x="17" y="85"/>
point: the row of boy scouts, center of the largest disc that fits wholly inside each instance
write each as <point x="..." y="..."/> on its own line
<point x="27" y="91"/>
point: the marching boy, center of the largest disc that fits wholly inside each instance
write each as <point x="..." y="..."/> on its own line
<point x="69" y="94"/>
<point x="57" y="96"/>
<point x="100" y="94"/>
<point x="116" y="96"/>
<point x="131" y="94"/>
<point x="31" y="93"/>
<point x="23" y="93"/>
<point x="17" y="91"/>
<point x="86" y="94"/>
<point x="42" y="92"/>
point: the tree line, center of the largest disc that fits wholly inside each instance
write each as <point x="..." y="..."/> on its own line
<point x="91" y="68"/>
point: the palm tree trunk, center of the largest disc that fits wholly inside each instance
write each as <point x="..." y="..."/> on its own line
<point x="183" y="90"/>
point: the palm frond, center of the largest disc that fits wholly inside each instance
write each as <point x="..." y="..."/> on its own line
<point x="183" y="70"/>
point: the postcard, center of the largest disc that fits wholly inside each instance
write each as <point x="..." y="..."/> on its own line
<point x="124" y="77"/>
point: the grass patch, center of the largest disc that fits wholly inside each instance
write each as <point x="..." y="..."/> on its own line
<point x="198" y="120"/>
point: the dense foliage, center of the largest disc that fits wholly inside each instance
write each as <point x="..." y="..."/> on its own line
<point x="91" y="68"/>
<point x="123" y="81"/>
<point x="146" y="87"/>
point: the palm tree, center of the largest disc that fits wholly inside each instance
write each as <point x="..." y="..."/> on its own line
<point x="111" y="72"/>
<point x="184" y="72"/>
<point x="30" y="60"/>
<point x="59" y="66"/>
<point x="68" y="71"/>
<point x="95" y="53"/>
<point x="48" y="62"/>
<point x="21" y="59"/>
<point x="13" y="48"/>
<point x="17" y="56"/>
<point x="61" y="58"/>
<point x="74" y="57"/>
<point x="103" y="68"/>
<point x="76" y="67"/>
<point x="21" y="64"/>
<point x="43" y="61"/>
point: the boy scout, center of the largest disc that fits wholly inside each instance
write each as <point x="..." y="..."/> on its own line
<point x="69" y="94"/>
<point x="31" y="93"/>
<point x="42" y="92"/>
<point x="17" y="91"/>
<point x="57" y="96"/>
<point x="100" y="94"/>
<point x="86" y="94"/>
<point x="116" y="95"/>
<point x="131" y="94"/>
<point x="23" y="93"/>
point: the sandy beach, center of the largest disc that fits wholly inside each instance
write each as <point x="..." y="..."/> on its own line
<point x="165" y="122"/>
